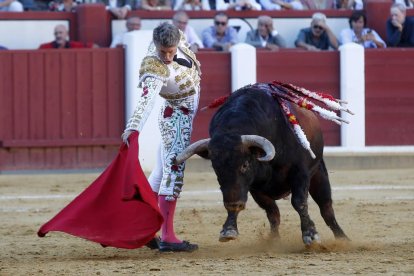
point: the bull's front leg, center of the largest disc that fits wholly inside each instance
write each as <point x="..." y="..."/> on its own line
<point x="300" y="188"/>
<point x="230" y="231"/>
<point x="272" y="211"/>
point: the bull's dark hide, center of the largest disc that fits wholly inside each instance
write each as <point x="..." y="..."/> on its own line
<point x="249" y="125"/>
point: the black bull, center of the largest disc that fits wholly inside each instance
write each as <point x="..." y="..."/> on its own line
<point x="253" y="149"/>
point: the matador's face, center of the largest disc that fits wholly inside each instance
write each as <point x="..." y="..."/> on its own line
<point x="166" y="54"/>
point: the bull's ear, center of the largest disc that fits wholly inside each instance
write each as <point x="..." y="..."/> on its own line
<point x="204" y="154"/>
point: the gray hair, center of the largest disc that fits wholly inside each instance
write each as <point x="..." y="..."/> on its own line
<point x="166" y="35"/>
<point x="318" y="16"/>
<point x="180" y="14"/>
<point x="265" y="19"/>
<point x="399" y="6"/>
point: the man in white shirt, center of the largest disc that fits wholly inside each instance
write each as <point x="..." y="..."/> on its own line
<point x="238" y="5"/>
<point x="180" y="20"/>
<point x="133" y="23"/>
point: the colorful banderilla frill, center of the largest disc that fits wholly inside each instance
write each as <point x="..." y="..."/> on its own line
<point x="285" y="93"/>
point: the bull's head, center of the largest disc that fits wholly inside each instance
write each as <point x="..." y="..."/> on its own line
<point x="235" y="160"/>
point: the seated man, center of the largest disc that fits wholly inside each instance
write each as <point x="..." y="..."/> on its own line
<point x="133" y="23"/>
<point x="180" y="20"/>
<point x="319" y="5"/>
<point x="192" y="5"/>
<point x="61" y="40"/>
<point x="238" y="5"/>
<point x="275" y="5"/>
<point x="264" y="36"/>
<point x="119" y="8"/>
<point x="63" y="5"/>
<point x="220" y="36"/>
<point x="318" y="36"/>
<point x="156" y="5"/>
<point x="400" y="28"/>
<point x="11" y="6"/>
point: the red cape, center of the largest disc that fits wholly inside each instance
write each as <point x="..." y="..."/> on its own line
<point x="118" y="209"/>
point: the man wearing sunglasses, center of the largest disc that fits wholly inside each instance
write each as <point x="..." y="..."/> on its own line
<point x="220" y="36"/>
<point x="318" y="36"/>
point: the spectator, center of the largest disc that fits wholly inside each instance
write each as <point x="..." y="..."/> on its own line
<point x="318" y="36"/>
<point x="156" y="5"/>
<point x="63" y="5"/>
<point x="359" y="33"/>
<point x="133" y="23"/>
<point x="319" y="4"/>
<point x="351" y="4"/>
<point x="119" y="8"/>
<point x="180" y="20"/>
<point x="11" y="6"/>
<point x="220" y="36"/>
<point x="61" y="40"/>
<point x="192" y="5"/>
<point x="275" y="5"/>
<point x="265" y="36"/>
<point x="400" y="28"/>
<point x="238" y="5"/>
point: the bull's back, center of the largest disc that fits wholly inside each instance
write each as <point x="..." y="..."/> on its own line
<point x="246" y="110"/>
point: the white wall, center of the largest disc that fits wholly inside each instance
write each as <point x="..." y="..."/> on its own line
<point x="27" y="34"/>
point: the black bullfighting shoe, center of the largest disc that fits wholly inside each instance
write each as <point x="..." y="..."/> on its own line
<point x="154" y="243"/>
<point x="185" y="246"/>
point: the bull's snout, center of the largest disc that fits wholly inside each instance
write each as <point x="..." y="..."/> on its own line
<point x="235" y="206"/>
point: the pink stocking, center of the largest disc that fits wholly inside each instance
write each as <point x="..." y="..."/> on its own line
<point x="167" y="229"/>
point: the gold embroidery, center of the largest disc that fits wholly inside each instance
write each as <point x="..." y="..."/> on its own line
<point x="178" y="96"/>
<point x="175" y="65"/>
<point x="152" y="65"/>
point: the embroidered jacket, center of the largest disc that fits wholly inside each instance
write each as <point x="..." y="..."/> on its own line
<point x="171" y="82"/>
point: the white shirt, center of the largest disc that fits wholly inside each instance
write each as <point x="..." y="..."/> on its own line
<point x="192" y="37"/>
<point x="222" y="6"/>
<point x="187" y="7"/>
<point x="348" y="35"/>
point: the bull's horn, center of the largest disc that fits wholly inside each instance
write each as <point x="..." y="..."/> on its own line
<point x="261" y="142"/>
<point x="192" y="149"/>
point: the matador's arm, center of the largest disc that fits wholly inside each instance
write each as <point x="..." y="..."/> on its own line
<point x="153" y="75"/>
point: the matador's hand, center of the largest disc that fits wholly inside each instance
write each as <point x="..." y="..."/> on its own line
<point x="126" y="135"/>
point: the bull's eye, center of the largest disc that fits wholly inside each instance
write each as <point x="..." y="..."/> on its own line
<point x="244" y="167"/>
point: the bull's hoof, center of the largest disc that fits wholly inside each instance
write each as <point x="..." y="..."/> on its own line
<point x="228" y="235"/>
<point x="310" y="238"/>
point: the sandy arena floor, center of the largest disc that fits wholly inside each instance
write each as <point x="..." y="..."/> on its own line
<point x="375" y="208"/>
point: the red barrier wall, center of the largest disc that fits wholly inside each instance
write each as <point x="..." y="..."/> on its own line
<point x="215" y="83"/>
<point x="389" y="97"/>
<point x="317" y="71"/>
<point x="60" y="108"/>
